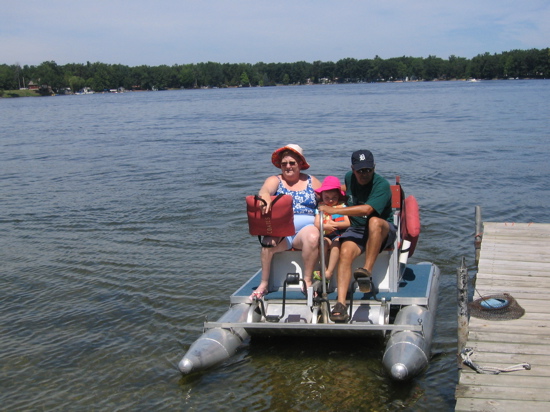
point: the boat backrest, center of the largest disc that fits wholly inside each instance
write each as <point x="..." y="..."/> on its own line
<point x="397" y="195"/>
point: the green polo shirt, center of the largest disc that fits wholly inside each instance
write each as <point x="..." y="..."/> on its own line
<point x="376" y="194"/>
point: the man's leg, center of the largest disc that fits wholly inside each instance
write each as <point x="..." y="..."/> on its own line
<point x="378" y="233"/>
<point x="348" y="252"/>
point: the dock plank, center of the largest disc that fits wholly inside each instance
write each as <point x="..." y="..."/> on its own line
<point x="500" y="336"/>
<point x="511" y="380"/>
<point x="514" y="259"/>
<point x="503" y="360"/>
<point x="530" y="328"/>
<point x="522" y="277"/>
<point x="490" y="405"/>
<point x="505" y="393"/>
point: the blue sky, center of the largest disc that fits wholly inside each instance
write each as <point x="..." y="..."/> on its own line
<point x="155" y="32"/>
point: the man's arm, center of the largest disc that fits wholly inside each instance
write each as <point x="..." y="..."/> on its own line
<point x="358" y="210"/>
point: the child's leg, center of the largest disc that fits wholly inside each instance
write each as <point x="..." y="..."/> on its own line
<point x="327" y="243"/>
<point x="333" y="257"/>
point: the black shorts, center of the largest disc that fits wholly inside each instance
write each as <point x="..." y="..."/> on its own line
<point x="359" y="235"/>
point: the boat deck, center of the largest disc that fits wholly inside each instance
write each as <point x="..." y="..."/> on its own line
<point x="414" y="288"/>
<point x="515" y="259"/>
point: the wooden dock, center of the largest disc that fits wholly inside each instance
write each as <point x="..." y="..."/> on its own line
<point x="514" y="259"/>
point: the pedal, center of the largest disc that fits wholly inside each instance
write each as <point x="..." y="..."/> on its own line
<point x="273" y="318"/>
<point x="364" y="284"/>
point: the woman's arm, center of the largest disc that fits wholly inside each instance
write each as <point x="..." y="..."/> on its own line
<point x="268" y="189"/>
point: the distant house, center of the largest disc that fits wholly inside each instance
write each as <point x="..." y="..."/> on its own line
<point x="32" y="86"/>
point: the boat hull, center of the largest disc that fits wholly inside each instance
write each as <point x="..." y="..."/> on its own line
<point x="213" y="347"/>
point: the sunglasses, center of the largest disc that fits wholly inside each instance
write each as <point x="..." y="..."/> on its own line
<point x="284" y="164"/>
<point x="365" y="171"/>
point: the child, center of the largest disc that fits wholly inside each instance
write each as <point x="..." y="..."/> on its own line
<point x="333" y="226"/>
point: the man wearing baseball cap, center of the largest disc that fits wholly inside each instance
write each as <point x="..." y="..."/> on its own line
<point x="371" y="230"/>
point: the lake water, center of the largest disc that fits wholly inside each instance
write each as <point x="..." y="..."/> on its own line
<point x="122" y="226"/>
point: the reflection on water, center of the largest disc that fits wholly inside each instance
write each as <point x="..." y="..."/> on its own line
<point x="123" y="226"/>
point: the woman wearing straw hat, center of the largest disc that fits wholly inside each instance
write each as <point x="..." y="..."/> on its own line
<point x="291" y="161"/>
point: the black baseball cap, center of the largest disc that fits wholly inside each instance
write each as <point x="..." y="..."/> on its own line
<point x="362" y="159"/>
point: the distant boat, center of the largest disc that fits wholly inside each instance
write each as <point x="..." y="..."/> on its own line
<point x="85" y="90"/>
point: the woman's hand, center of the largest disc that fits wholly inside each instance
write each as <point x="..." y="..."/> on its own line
<point x="266" y="208"/>
<point x="267" y="190"/>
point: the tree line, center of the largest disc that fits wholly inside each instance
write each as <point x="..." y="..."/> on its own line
<point x="533" y="63"/>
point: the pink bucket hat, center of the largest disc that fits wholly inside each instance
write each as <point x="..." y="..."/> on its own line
<point x="330" y="183"/>
<point x="276" y="156"/>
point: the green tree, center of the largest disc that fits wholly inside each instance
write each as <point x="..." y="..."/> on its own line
<point x="187" y="76"/>
<point x="102" y="77"/>
<point x="457" y="67"/>
<point x="210" y="74"/>
<point x="9" y="77"/>
<point x="286" y="79"/>
<point x="245" y="81"/>
<point x="300" y="72"/>
<point x="161" y="77"/>
<point x="347" y="70"/>
<point x="143" y="78"/>
<point x="532" y="63"/>
<point x="433" y="68"/>
<point x="49" y="73"/>
<point x="75" y="83"/>
<point x="120" y="76"/>
<point x="375" y="70"/>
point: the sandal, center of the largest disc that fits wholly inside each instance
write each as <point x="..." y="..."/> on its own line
<point x="364" y="279"/>
<point x="339" y="313"/>
<point x="258" y="295"/>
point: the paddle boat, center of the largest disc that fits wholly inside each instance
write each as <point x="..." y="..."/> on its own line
<point x="400" y="307"/>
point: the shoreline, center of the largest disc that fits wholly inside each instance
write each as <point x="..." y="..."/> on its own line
<point x="7" y="94"/>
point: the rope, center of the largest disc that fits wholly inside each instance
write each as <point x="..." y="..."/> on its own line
<point x="467" y="352"/>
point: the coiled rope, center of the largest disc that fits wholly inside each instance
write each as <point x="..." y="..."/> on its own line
<point x="467" y="352"/>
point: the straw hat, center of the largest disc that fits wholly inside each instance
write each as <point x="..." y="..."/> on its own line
<point x="276" y="156"/>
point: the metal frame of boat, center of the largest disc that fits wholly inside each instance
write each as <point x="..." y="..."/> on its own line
<point x="400" y="307"/>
